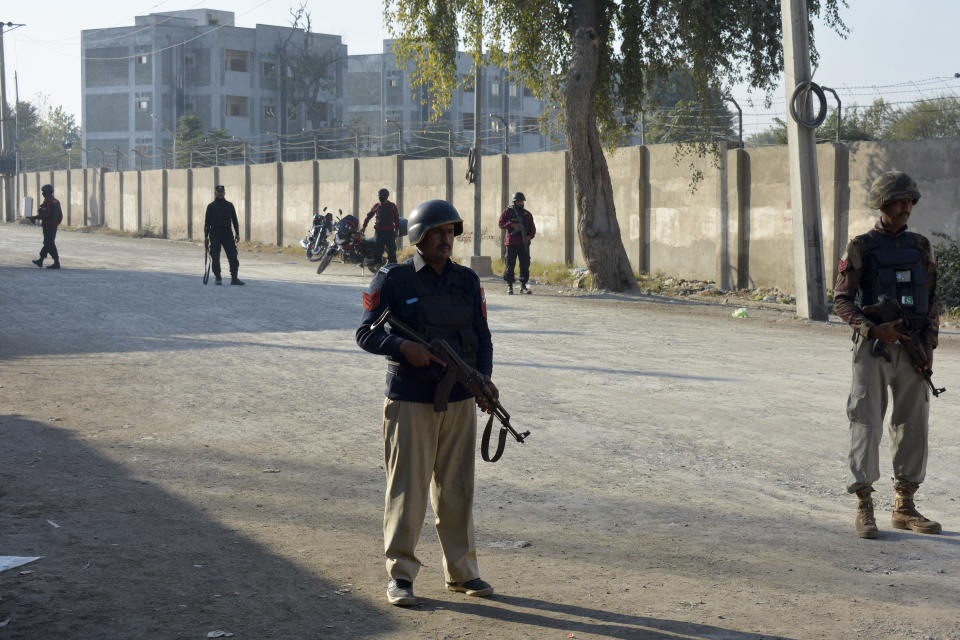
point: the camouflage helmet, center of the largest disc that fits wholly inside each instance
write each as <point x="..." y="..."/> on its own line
<point x="891" y="186"/>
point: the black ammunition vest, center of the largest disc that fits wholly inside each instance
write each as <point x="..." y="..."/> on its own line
<point x="447" y="315"/>
<point x="893" y="266"/>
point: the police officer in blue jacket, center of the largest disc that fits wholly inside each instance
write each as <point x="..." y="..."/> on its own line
<point x="429" y="441"/>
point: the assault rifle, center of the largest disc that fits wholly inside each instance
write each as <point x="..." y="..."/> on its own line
<point x="206" y="258"/>
<point x="459" y="371"/>
<point x="518" y="218"/>
<point x="888" y="309"/>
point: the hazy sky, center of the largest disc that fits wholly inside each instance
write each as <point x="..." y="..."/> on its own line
<point x="898" y="50"/>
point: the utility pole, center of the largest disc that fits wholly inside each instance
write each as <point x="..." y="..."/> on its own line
<point x="3" y="98"/>
<point x="5" y="138"/>
<point x="477" y="150"/>
<point x="804" y="181"/>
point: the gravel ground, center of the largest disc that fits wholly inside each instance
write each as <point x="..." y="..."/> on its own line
<point x="191" y="459"/>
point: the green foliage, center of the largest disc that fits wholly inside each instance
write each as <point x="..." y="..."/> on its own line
<point x="43" y="133"/>
<point x="675" y="113"/>
<point x="947" y="252"/>
<point x="935" y="118"/>
<point x="640" y="43"/>
<point x="198" y="148"/>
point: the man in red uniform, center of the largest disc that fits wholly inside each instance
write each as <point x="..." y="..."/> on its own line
<point x="50" y="216"/>
<point x="386" y="225"/>
<point x="518" y="223"/>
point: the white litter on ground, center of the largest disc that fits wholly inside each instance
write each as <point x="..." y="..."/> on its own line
<point x="12" y="562"/>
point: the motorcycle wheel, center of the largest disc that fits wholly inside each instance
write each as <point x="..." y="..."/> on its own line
<point x="309" y="255"/>
<point x="325" y="260"/>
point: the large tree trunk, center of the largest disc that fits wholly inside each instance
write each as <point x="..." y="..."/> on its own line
<point x="597" y="225"/>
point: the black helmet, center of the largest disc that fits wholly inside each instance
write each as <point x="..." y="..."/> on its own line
<point x="518" y="196"/>
<point x="46" y="189"/>
<point x="430" y="214"/>
<point x="384" y="193"/>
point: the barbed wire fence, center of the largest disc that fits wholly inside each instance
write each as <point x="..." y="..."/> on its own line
<point x="433" y="139"/>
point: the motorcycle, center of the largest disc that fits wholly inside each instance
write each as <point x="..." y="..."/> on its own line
<point x="350" y="245"/>
<point x="316" y="242"/>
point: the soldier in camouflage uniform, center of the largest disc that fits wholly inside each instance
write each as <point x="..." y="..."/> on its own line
<point x="889" y="261"/>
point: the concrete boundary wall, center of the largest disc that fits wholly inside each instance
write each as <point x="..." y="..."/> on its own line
<point x="298" y="199"/>
<point x="735" y="228"/>
<point x="236" y="181"/>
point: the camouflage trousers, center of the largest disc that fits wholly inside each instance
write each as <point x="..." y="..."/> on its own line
<point x="877" y="381"/>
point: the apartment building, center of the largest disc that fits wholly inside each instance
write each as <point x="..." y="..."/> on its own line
<point x="384" y="108"/>
<point x="137" y="81"/>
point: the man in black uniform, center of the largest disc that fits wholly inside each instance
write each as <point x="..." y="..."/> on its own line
<point x="50" y="215"/>
<point x="428" y="440"/>
<point x="386" y="225"/>
<point x="216" y="227"/>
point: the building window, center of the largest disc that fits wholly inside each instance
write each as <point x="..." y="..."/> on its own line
<point x="188" y="106"/>
<point x="269" y="112"/>
<point x="467" y="122"/>
<point x="143" y="105"/>
<point x="393" y="83"/>
<point x="531" y="125"/>
<point x="236" y="60"/>
<point x="270" y="69"/>
<point x="514" y="90"/>
<point x="495" y="89"/>
<point x="189" y="60"/>
<point x="143" y="59"/>
<point x="527" y="92"/>
<point x="237" y="106"/>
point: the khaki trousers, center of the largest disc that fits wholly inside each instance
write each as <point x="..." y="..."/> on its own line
<point x="867" y="405"/>
<point x="429" y="451"/>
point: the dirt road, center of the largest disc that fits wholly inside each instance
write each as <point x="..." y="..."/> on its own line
<point x="190" y="459"/>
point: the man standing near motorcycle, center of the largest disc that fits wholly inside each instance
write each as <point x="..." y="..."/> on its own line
<point x="429" y="441"/>
<point x="216" y="227"/>
<point x="385" y="226"/>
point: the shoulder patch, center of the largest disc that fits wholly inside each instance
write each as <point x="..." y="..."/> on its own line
<point x="387" y="268"/>
<point x="371" y="300"/>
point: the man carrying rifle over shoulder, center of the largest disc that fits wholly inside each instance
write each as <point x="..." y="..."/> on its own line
<point x="889" y="262"/>
<point x="429" y="440"/>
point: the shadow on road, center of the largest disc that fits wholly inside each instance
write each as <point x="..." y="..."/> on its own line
<point x="616" y="372"/>
<point x="103" y="310"/>
<point x="125" y="559"/>
<point x="573" y="619"/>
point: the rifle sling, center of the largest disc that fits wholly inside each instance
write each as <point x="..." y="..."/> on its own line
<point x="485" y="442"/>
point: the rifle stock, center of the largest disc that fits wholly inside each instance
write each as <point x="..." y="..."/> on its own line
<point x="466" y="375"/>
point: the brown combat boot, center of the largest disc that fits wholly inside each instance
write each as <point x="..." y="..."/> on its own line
<point x="905" y="514"/>
<point x="866" y="524"/>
